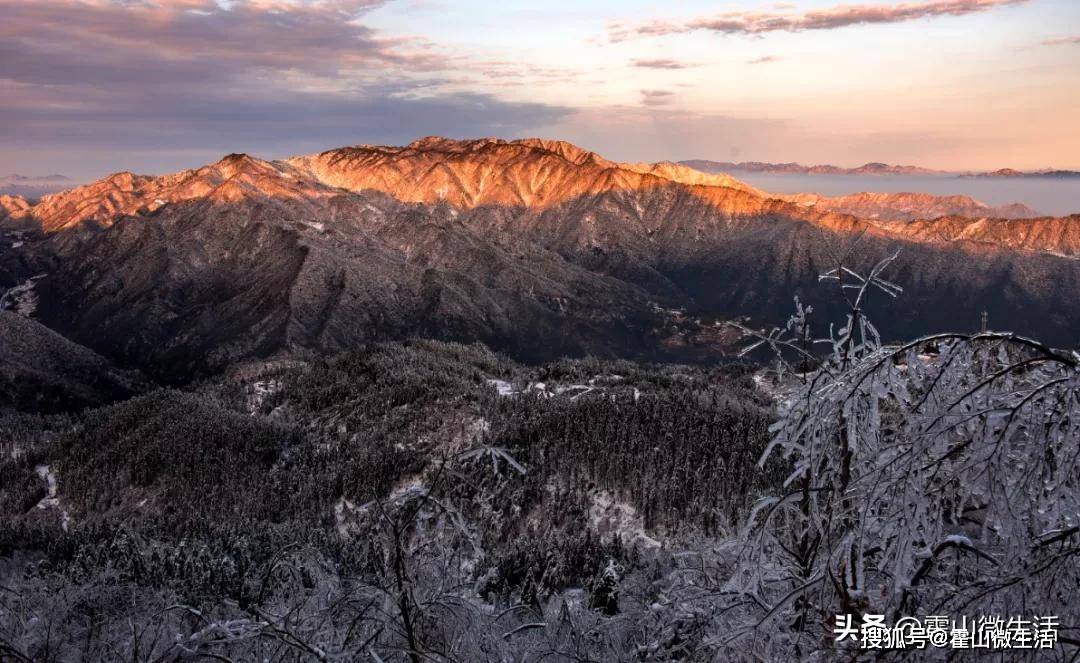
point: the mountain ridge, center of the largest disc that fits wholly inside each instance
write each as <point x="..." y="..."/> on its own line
<point x="536" y="249"/>
<point x="530" y="173"/>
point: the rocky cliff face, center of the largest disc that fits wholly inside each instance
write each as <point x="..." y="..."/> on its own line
<point x="538" y="248"/>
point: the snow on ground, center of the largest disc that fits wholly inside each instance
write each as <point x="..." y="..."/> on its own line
<point x="503" y="387"/>
<point x="259" y="391"/>
<point x="766" y="386"/>
<point x="51" y="499"/>
<point x="575" y="390"/>
<point x="345" y="512"/>
<point x="571" y="391"/>
<point x="22" y="299"/>
<point x="1062" y="255"/>
<point x="611" y="516"/>
<point x="540" y="388"/>
<point x="470" y="434"/>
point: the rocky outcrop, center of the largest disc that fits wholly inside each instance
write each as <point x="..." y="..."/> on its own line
<point x="12" y="204"/>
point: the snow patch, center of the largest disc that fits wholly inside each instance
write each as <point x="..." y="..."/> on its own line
<point x="611" y="516"/>
<point x="577" y="389"/>
<point x="51" y="500"/>
<point x="766" y="387"/>
<point x="22" y="299"/>
<point x="259" y="392"/>
<point x="345" y="513"/>
<point x="959" y="540"/>
<point x="503" y="387"/>
<point x="407" y="488"/>
<point x="1062" y="255"/>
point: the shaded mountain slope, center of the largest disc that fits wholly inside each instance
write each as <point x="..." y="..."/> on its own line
<point x="200" y="283"/>
<point x="44" y="372"/>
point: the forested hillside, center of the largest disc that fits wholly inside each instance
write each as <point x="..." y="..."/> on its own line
<point x="288" y="508"/>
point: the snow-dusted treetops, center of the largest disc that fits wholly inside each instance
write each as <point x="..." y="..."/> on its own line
<point x="391" y="504"/>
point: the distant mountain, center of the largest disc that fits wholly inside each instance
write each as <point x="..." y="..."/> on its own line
<point x="1009" y="172"/>
<point x="795" y="168"/>
<point x="537" y="248"/>
<point x="33" y="186"/>
<point x="868" y="169"/>
<point x="15" y="177"/>
<point x="909" y="206"/>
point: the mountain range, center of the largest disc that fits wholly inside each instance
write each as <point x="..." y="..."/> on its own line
<point x="909" y="206"/>
<point x="536" y="248"/>
<point x="1046" y="173"/>
<point x="33" y="186"/>
<point x="867" y="169"/>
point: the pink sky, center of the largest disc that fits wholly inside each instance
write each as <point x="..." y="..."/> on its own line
<point x="92" y="86"/>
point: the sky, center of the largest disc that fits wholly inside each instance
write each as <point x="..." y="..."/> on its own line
<point x="89" y="87"/>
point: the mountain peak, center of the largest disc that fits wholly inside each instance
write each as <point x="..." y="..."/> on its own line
<point x="568" y="151"/>
<point x="572" y="153"/>
<point x="238" y="162"/>
<point x="123" y="178"/>
<point x="433" y="142"/>
<point x="236" y="159"/>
